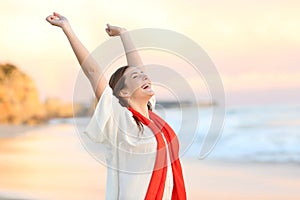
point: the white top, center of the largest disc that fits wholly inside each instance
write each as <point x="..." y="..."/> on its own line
<point x="130" y="155"/>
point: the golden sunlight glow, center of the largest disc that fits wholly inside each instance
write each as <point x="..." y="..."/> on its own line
<point x="238" y="36"/>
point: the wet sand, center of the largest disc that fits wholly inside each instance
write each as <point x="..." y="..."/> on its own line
<point x="50" y="163"/>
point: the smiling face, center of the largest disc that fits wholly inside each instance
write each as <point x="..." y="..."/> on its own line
<point x="131" y="85"/>
<point x="137" y="85"/>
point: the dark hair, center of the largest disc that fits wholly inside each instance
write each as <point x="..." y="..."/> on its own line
<point x="117" y="83"/>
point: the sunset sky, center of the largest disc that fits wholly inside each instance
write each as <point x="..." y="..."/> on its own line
<point x="255" y="45"/>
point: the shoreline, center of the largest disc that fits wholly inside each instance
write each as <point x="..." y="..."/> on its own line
<point x="10" y="130"/>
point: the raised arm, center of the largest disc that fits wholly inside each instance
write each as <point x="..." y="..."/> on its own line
<point x="132" y="54"/>
<point x="87" y="62"/>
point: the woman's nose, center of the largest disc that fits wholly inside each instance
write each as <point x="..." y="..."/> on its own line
<point x="145" y="77"/>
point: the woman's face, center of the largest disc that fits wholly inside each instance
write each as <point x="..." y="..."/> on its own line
<point x="137" y="84"/>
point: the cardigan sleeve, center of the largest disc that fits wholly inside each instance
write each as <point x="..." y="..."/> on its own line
<point x="104" y="122"/>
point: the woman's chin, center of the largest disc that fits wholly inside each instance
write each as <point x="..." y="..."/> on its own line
<point x="149" y="92"/>
<point x="144" y="93"/>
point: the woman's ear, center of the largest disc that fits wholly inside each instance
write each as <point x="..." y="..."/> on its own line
<point x="124" y="93"/>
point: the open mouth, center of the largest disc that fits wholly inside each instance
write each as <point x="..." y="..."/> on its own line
<point x="146" y="86"/>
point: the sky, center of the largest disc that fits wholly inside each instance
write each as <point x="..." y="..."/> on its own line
<point x="254" y="45"/>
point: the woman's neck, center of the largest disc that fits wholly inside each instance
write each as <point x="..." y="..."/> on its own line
<point x="141" y="108"/>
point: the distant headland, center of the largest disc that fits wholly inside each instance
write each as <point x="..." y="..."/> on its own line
<point x="20" y="101"/>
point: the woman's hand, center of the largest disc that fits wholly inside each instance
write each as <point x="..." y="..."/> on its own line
<point x="114" y="30"/>
<point x="57" y="20"/>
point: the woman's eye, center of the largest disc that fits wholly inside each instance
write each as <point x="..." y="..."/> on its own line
<point x="134" y="77"/>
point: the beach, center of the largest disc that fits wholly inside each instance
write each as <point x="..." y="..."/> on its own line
<point x="49" y="162"/>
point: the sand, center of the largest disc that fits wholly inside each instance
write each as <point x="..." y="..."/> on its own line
<point x="40" y="164"/>
<point x="232" y="180"/>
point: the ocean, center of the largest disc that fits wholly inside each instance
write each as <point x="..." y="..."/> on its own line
<point x="262" y="133"/>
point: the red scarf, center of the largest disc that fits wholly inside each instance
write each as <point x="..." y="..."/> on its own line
<point x="157" y="183"/>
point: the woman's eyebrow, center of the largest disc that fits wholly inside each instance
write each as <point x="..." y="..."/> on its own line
<point x="133" y="73"/>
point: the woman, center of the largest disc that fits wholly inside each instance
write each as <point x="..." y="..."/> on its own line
<point x="141" y="148"/>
